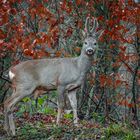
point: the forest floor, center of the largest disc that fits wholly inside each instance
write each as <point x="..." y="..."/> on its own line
<point x="43" y="127"/>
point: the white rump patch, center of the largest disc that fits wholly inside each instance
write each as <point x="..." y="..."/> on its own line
<point x="11" y="75"/>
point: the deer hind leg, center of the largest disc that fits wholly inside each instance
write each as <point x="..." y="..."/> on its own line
<point x="73" y="102"/>
<point x="9" y="106"/>
<point x="7" y="112"/>
<point x="6" y="122"/>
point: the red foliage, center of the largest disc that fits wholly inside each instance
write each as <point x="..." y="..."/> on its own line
<point x="37" y="25"/>
<point x="126" y="103"/>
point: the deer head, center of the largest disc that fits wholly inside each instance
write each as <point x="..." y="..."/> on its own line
<point x="91" y="37"/>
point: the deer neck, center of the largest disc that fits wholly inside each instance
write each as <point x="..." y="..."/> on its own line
<point x="84" y="63"/>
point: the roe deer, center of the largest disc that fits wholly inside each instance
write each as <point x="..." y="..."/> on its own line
<point x="65" y="75"/>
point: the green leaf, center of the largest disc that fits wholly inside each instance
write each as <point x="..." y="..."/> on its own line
<point x="41" y="101"/>
<point x="26" y="99"/>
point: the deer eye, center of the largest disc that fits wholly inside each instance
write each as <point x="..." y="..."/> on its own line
<point x="85" y="43"/>
<point x="94" y="43"/>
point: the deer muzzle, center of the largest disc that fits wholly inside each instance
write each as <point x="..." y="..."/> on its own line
<point x="90" y="51"/>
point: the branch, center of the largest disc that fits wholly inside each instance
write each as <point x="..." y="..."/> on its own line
<point x="4" y="78"/>
<point x="127" y="65"/>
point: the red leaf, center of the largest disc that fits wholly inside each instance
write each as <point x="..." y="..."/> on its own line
<point x="102" y="80"/>
<point x="53" y="22"/>
<point x="117" y="83"/>
<point x="123" y="48"/>
<point x="13" y="11"/>
<point x="2" y="35"/>
<point x="69" y="32"/>
<point x="63" y="4"/>
<point x="77" y="49"/>
<point x="78" y="2"/>
<point x="130" y="105"/>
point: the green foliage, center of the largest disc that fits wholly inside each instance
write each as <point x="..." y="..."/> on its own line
<point x="29" y="105"/>
<point x="26" y="99"/>
<point x="47" y="111"/>
<point x="119" y="131"/>
<point x="39" y="130"/>
<point x="113" y="129"/>
<point x="68" y="116"/>
<point x="98" y="117"/>
<point x="20" y="112"/>
<point x="30" y="131"/>
<point x="41" y="101"/>
<point x="130" y="136"/>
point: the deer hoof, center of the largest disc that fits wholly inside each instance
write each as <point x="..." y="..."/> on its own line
<point x="13" y="133"/>
<point x="6" y="128"/>
<point x="77" y="125"/>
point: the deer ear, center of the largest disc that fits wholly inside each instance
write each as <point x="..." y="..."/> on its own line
<point x="84" y="34"/>
<point x="99" y="33"/>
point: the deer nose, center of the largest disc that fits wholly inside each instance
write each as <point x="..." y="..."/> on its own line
<point x="90" y="51"/>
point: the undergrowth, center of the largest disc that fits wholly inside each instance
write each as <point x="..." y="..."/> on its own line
<point x="39" y="129"/>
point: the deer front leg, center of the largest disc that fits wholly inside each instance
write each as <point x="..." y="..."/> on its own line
<point x="60" y="104"/>
<point x="59" y="114"/>
<point x="73" y="102"/>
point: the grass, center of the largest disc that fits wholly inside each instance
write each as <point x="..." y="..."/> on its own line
<point x="119" y="131"/>
<point x="40" y="131"/>
<point x="40" y="126"/>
